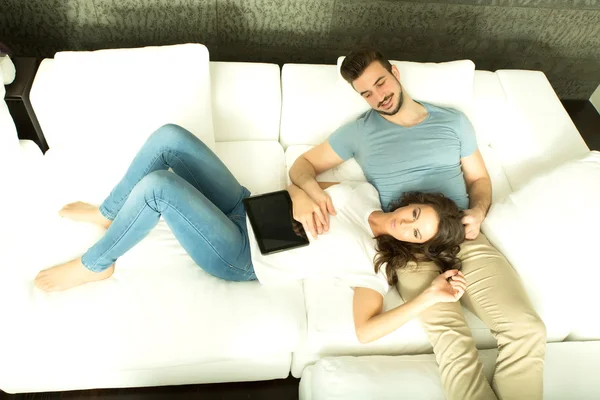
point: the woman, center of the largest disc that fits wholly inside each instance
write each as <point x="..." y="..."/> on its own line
<point x="202" y="204"/>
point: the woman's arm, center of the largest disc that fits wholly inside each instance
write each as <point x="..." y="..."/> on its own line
<point x="371" y="324"/>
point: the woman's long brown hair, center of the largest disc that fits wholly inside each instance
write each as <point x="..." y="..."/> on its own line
<point x="442" y="249"/>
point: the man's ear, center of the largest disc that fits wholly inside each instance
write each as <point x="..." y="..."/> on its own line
<point x="395" y="72"/>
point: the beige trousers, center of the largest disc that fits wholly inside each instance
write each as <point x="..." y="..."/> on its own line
<point x="496" y="295"/>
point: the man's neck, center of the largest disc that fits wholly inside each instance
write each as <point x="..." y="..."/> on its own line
<point x="410" y="114"/>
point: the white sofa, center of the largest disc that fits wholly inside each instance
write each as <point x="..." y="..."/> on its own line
<point x="160" y="319"/>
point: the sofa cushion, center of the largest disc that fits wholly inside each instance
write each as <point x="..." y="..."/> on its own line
<point x="245" y="109"/>
<point x="569" y="373"/>
<point x="548" y="231"/>
<point x="101" y="100"/>
<point x="536" y="134"/>
<point x="448" y="84"/>
<point x="159" y="309"/>
<point x="258" y="165"/>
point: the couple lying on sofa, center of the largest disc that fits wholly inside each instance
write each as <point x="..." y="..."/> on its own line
<point x="395" y="230"/>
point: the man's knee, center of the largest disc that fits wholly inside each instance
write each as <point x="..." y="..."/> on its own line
<point x="526" y="327"/>
<point x="538" y="329"/>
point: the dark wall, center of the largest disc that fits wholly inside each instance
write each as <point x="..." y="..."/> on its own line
<point x="559" y="37"/>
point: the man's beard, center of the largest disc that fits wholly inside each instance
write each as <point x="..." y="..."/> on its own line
<point x="395" y="110"/>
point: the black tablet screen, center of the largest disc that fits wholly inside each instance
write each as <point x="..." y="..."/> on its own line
<point x="274" y="228"/>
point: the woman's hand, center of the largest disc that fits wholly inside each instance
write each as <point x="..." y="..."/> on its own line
<point x="446" y="288"/>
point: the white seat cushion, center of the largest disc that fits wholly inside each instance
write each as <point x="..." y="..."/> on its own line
<point x="569" y="373"/>
<point x="548" y="231"/>
<point x="159" y="309"/>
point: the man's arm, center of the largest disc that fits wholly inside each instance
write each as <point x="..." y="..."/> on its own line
<point x="303" y="174"/>
<point x="310" y="164"/>
<point x="479" y="188"/>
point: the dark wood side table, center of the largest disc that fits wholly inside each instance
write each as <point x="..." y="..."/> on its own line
<point x="19" y="105"/>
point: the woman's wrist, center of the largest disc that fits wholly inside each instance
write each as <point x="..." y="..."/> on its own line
<point x="427" y="298"/>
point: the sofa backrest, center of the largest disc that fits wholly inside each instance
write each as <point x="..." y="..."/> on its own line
<point x="246" y="101"/>
<point x="116" y="98"/>
<point x="538" y="134"/>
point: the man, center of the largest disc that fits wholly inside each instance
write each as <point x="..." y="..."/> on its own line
<point x="403" y="145"/>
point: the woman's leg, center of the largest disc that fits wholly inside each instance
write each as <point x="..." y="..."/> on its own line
<point x="170" y="146"/>
<point x="216" y="242"/>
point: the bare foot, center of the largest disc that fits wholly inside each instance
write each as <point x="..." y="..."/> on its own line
<point x="68" y="275"/>
<point x="84" y="212"/>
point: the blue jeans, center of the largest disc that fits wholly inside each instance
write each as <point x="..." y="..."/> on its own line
<point x="200" y="200"/>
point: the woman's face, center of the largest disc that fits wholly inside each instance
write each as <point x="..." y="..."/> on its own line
<point x="414" y="223"/>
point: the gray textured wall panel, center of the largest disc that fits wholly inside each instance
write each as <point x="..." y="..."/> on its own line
<point x="559" y="37"/>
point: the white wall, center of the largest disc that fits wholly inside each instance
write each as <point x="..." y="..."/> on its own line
<point x="595" y="99"/>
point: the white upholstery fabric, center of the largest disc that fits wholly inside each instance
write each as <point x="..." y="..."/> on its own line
<point x="258" y="165"/>
<point x="159" y="310"/>
<point x="309" y="103"/>
<point x="7" y="70"/>
<point x="537" y="134"/>
<point x="73" y="377"/>
<point x="570" y="373"/>
<point x="117" y="98"/>
<point x="246" y="99"/>
<point x="548" y="231"/>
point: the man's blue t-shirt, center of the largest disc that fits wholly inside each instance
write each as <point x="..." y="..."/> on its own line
<point x="425" y="157"/>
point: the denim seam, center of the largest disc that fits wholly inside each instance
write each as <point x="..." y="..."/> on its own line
<point x="174" y="154"/>
<point x="119" y="238"/>
<point x="201" y="234"/>
<point x="144" y="174"/>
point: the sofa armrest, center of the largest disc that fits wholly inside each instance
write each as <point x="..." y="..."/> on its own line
<point x="541" y="135"/>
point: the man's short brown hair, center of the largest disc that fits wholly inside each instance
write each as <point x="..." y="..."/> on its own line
<point x="358" y="60"/>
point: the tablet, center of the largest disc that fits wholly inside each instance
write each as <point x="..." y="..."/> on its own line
<point x="275" y="229"/>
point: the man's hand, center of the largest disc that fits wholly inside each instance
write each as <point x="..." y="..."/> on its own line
<point x="446" y="288"/>
<point x="313" y="212"/>
<point x="472" y="222"/>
